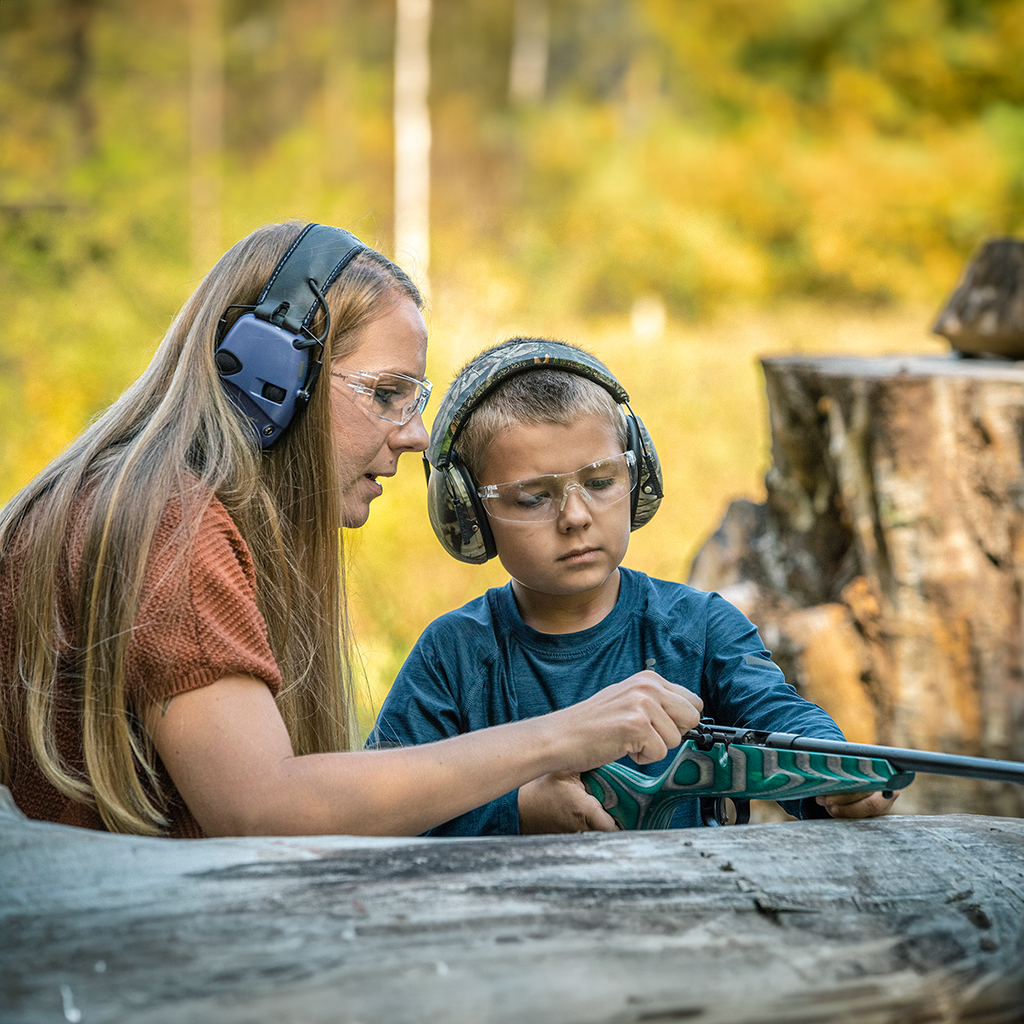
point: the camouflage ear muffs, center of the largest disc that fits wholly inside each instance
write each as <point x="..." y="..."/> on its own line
<point x="456" y="513"/>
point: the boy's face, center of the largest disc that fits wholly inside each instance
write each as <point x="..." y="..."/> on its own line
<point x="578" y="552"/>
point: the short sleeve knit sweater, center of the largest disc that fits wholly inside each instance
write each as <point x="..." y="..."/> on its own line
<point x="188" y="634"/>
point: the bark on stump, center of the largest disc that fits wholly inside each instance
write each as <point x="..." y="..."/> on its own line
<point x="875" y="922"/>
<point x="885" y="570"/>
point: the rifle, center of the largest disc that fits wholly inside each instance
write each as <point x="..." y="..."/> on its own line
<point x="719" y="763"/>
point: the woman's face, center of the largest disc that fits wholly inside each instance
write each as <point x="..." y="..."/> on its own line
<point x="366" y="446"/>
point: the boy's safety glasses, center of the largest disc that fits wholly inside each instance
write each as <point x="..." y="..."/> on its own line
<point x="600" y="484"/>
<point x="390" y="396"/>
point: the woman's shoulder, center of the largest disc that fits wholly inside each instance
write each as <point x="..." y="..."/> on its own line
<point x="195" y="523"/>
<point x="216" y="523"/>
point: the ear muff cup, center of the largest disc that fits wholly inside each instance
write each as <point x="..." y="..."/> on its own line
<point x="269" y="360"/>
<point x="649" y="491"/>
<point x="456" y="513"/>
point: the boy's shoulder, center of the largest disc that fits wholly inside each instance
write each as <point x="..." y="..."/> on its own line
<point x="666" y="594"/>
<point x="682" y="608"/>
<point x="475" y="623"/>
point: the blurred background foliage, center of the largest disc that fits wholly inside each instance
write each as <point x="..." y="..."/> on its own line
<point x="693" y="183"/>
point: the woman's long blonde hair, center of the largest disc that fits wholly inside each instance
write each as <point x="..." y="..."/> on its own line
<point x="174" y="437"/>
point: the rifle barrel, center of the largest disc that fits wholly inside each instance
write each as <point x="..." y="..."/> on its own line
<point x="902" y="759"/>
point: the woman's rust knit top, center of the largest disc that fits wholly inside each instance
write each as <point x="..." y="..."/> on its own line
<point x="188" y="634"/>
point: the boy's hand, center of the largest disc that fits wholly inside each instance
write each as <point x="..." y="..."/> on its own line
<point x="559" y="802"/>
<point x="857" y="805"/>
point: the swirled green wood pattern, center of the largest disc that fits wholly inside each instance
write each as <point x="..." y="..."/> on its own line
<point x="736" y="770"/>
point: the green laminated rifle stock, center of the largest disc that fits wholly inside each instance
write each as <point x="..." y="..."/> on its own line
<point x="720" y="762"/>
<point x="736" y="771"/>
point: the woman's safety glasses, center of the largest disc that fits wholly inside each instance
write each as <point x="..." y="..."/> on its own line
<point x="390" y="396"/>
<point x="543" y="498"/>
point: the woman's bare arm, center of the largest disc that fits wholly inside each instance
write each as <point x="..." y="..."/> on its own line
<point x="228" y="752"/>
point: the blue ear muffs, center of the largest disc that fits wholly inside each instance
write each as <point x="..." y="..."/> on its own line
<point x="269" y="359"/>
<point x="456" y="512"/>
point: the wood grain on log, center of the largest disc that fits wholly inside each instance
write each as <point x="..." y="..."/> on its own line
<point x="883" y="921"/>
<point x="886" y="569"/>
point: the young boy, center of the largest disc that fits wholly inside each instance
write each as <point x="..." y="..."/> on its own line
<point x="537" y="458"/>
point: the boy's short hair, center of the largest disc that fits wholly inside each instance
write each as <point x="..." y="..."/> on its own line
<point x="544" y="395"/>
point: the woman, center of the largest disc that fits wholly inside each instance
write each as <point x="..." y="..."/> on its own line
<point x="173" y="639"/>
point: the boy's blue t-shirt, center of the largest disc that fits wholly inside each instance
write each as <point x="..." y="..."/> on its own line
<point x="482" y="665"/>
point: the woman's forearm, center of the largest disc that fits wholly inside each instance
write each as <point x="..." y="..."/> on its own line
<point x="405" y="791"/>
<point x="228" y="752"/>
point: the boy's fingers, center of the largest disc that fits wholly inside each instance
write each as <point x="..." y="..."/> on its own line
<point x="862" y="804"/>
<point x="598" y="819"/>
<point x="838" y="799"/>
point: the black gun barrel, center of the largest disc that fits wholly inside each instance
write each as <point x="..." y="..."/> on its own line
<point x="902" y="759"/>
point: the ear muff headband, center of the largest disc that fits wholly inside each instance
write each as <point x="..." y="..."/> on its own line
<point x="269" y="360"/>
<point x="456" y="512"/>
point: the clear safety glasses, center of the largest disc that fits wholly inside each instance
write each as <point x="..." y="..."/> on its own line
<point x="543" y="498"/>
<point x="390" y="396"/>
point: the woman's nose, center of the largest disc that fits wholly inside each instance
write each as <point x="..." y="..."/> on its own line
<point x="410" y="437"/>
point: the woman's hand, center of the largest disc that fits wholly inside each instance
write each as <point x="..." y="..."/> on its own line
<point x="644" y="716"/>
<point x="857" y="805"/>
<point x="559" y="802"/>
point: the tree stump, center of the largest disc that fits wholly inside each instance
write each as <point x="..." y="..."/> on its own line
<point x="985" y="314"/>
<point x="886" y="568"/>
<point x="883" y="921"/>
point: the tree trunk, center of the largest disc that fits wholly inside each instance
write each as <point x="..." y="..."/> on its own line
<point x="887" y="921"/>
<point x="528" y="60"/>
<point x="886" y="569"/>
<point x="412" y="137"/>
<point x="341" y="76"/>
<point x="206" y="118"/>
<point x="81" y="15"/>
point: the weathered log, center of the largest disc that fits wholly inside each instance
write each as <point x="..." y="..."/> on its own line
<point x="886" y="569"/>
<point x="985" y="314"/>
<point x="882" y="921"/>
